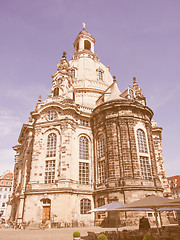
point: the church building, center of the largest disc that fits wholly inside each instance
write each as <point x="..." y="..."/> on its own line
<point x="86" y="145"/>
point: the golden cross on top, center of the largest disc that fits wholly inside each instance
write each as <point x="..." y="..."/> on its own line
<point x="84" y="25"/>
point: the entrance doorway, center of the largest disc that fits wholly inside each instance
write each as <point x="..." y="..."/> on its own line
<point x="46" y="209"/>
<point x="46" y="213"/>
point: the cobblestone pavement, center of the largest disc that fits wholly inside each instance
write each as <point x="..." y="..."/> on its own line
<point x="48" y="234"/>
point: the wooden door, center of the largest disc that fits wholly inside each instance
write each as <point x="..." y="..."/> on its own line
<point x="46" y="213"/>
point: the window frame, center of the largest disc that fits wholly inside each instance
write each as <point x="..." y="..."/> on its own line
<point x="101" y="171"/>
<point x="84" y="173"/>
<point x="52" y="114"/>
<point x="101" y="167"/>
<point x="51" y="146"/>
<point x="142" y="145"/>
<point x="49" y="172"/>
<point x="141" y="140"/>
<point x="100" y="146"/>
<point x="85" y="206"/>
<point x="145" y="168"/>
<point x="84" y="148"/>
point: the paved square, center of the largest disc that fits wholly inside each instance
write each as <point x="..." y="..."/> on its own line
<point x="48" y="234"/>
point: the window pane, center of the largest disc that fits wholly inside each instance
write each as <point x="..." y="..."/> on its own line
<point x="141" y="141"/>
<point x="100" y="146"/>
<point x="51" y="145"/>
<point x="101" y="171"/>
<point x="145" y="168"/>
<point x="49" y="171"/>
<point x="83" y="148"/>
<point x="84" y="173"/>
<point x="85" y="206"/>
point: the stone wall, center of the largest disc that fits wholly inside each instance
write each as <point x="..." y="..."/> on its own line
<point x="119" y="120"/>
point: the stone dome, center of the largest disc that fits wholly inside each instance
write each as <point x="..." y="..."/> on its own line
<point x="88" y="70"/>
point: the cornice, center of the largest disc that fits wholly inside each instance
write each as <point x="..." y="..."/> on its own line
<point x="58" y="190"/>
<point x="128" y="188"/>
<point x="122" y="104"/>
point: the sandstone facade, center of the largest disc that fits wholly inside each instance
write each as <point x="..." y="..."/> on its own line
<point x="81" y="148"/>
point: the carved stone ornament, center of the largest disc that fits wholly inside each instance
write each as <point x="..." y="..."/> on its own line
<point x="63" y="65"/>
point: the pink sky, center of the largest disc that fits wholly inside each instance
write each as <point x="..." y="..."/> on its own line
<point x="134" y="37"/>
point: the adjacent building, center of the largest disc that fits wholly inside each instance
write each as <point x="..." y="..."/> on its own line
<point x="174" y="184"/>
<point x="6" y="180"/>
<point x="86" y="145"/>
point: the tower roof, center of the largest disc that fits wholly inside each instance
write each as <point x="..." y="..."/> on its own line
<point x="84" y="33"/>
<point x="111" y="93"/>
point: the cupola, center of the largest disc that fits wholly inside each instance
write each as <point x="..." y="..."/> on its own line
<point x="84" y="41"/>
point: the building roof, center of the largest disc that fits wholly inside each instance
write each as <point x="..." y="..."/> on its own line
<point x="6" y="179"/>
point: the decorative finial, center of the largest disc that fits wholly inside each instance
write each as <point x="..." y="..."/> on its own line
<point x="64" y="55"/>
<point x="114" y="78"/>
<point x="84" y="25"/>
<point x="134" y="79"/>
<point x="39" y="99"/>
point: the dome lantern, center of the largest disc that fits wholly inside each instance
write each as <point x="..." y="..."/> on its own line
<point x="84" y="41"/>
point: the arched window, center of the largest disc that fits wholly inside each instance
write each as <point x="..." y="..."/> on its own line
<point x="141" y="141"/>
<point x="83" y="148"/>
<point x="100" y="146"/>
<point x="56" y="92"/>
<point x="87" y="45"/>
<point x="51" y="145"/>
<point x="85" y="206"/>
